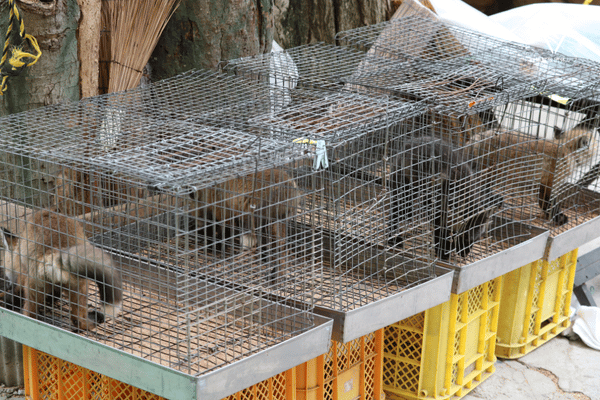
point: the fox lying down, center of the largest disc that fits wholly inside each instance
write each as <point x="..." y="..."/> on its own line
<point x="50" y="251"/>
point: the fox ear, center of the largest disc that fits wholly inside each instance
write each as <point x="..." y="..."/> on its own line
<point x="8" y="239"/>
<point x="558" y="132"/>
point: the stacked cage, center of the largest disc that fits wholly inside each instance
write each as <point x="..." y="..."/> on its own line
<point x="484" y="204"/>
<point x="540" y="143"/>
<point x="159" y="238"/>
<point x="550" y="110"/>
<point x="373" y="248"/>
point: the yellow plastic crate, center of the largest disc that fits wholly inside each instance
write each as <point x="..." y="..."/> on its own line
<point x="446" y="351"/>
<point x="348" y="371"/>
<point x="534" y="306"/>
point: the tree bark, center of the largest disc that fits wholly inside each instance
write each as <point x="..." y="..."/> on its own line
<point x="203" y="33"/>
<point x="89" y="45"/>
<point x="55" y="77"/>
<point x="299" y="22"/>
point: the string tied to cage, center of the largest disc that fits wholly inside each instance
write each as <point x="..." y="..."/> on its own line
<point x="14" y="57"/>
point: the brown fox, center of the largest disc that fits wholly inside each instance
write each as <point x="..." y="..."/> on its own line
<point x="254" y="203"/>
<point x="580" y="141"/>
<point x="50" y="251"/>
<point x="558" y="158"/>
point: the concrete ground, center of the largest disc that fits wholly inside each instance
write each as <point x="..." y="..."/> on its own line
<point x="12" y="393"/>
<point x="558" y="370"/>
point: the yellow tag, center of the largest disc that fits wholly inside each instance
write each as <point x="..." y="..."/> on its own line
<point x="304" y="141"/>
<point x="559" y="99"/>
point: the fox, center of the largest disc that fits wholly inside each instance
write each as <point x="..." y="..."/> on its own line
<point x="558" y="158"/>
<point x="580" y="142"/>
<point x="50" y="251"/>
<point x="259" y="202"/>
<point x="460" y="204"/>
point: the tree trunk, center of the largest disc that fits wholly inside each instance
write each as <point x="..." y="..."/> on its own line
<point x="89" y="46"/>
<point x="299" y="22"/>
<point x="55" y="77"/>
<point x="202" y="33"/>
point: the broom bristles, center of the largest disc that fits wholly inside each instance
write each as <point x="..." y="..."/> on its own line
<point x="132" y="29"/>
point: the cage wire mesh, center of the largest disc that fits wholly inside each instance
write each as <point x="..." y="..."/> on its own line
<point x="462" y="69"/>
<point x="477" y="208"/>
<point x="563" y="136"/>
<point x="363" y="231"/>
<point x="352" y="128"/>
<point x="547" y="107"/>
<point x="316" y="65"/>
<point x="364" y="259"/>
<point x="501" y="102"/>
<point x="351" y="201"/>
<point x="182" y="227"/>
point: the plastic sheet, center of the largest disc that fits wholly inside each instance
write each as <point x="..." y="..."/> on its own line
<point x="586" y="324"/>
<point x="570" y="29"/>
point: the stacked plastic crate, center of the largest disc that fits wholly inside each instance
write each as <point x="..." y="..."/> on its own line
<point x="554" y="125"/>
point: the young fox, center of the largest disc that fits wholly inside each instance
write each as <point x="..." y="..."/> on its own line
<point x="50" y="250"/>
<point x="259" y="202"/>
<point x="558" y="158"/>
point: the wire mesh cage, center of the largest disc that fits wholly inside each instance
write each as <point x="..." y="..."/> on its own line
<point x="501" y="102"/>
<point x="379" y="188"/>
<point x="483" y="208"/>
<point x="563" y="136"/>
<point x="544" y="105"/>
<point x="349" y="135"/>
<point x="461" y="70"/>
<point x="156" y="236"/>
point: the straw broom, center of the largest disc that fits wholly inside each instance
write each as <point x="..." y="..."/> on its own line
<point x="131" y="30"/>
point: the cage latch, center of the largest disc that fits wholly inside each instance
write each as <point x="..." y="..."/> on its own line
<point x="321" y="160"/>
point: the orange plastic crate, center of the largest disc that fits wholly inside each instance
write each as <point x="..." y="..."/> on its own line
<point x="348" y="371"/>
<point x="446" y="351"/>
<point x="535" y="305"/>
<point x="50" y="378"/>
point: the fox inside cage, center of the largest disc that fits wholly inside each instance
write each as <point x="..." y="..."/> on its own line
<point x="161" y="245"/>
<point x="350" y="200"/>
<point x="564" y="140"/>
<point x="443" y="198"/>
<point x="532" y="101"/>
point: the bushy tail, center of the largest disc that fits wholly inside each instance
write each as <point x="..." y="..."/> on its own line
<point x="88" y="260"/>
